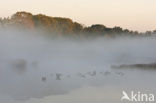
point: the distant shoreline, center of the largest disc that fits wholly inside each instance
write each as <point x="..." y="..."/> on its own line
<point x="64" y="26"/>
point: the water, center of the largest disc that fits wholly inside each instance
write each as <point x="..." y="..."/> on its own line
<point x="34" y="69"/>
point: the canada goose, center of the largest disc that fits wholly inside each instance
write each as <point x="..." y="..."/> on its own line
<point x="92" y="73"/>
<point x="81" y="75"/>
<point x="58" y="76"/>
<point x="44" y="79"/>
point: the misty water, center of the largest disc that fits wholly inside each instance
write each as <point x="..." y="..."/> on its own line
<point x="37" y="69"/>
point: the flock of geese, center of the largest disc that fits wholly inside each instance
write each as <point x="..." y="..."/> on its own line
<point x="59" y="76"/>
<point x="21" y="65"/>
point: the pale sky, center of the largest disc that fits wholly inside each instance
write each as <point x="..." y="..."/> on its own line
<point x="132" y="14"/>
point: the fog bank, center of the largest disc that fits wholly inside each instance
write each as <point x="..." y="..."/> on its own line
<point x="35" y="66"/>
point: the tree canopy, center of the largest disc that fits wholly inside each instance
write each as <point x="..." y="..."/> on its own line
<point x="59" y="25"/>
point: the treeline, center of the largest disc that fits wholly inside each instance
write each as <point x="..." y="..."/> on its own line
<point x="63" y="26"/>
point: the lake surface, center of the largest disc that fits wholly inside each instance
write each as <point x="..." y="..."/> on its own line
<point x="39" y="70"/>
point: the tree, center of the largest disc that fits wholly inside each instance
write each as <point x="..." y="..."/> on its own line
<point x="63" y="26"/>
<point x="23" y="19"/>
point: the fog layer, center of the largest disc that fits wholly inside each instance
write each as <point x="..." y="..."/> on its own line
<point x="33" y="66"/>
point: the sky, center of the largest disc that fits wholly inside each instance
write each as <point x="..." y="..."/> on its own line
<point x="137" y="15"/>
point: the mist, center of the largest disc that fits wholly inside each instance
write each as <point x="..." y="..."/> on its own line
<point x="34" y="66"/>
